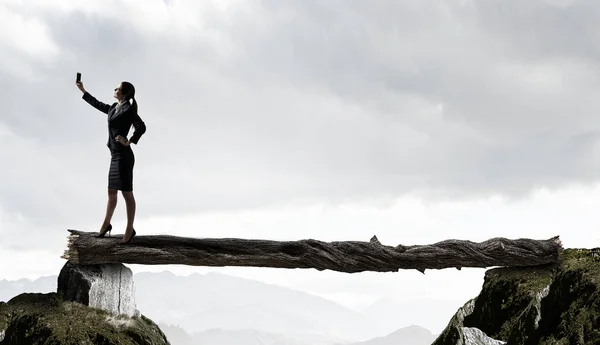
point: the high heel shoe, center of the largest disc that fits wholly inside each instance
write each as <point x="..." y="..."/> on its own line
<point x="132" y="236"/>
<point x="103" y="232"/>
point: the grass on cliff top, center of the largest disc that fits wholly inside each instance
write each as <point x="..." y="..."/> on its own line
<point x="581" y="260"/>
<point x="534" y="278"/>
<point x="530" y="280"/>
<point x="571" y="313"/>
<point x="73" y="323"/>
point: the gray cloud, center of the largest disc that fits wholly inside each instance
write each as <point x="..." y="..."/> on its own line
<point x="312" y="100"/>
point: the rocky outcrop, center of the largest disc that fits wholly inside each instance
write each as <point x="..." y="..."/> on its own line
<point x="474" y="336"/>
<point x="109" y="287"/>
<point x="552" y="304"/>
<point x="35" y="319"/>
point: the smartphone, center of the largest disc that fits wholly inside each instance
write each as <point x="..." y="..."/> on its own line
<point x="78" y="77"/>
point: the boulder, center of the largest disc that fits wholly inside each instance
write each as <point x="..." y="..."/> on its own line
<point x="109" y="287"/>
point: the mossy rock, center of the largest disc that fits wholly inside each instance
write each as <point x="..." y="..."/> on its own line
<point x="507" y="293"/>
<point x="453" y="334"/>
<point x="45" y="319"/>
<point x="551" y="304"/>
<point x="571" y="311"/>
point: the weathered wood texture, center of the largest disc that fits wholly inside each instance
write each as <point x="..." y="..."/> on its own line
<point x="344" y="256"/>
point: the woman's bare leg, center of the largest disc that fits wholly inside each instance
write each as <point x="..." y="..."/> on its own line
<point x="130" y="203"/>
<point x="111" y="204"/>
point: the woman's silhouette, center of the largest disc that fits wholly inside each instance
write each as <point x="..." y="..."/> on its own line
<point x="121" y="116"/>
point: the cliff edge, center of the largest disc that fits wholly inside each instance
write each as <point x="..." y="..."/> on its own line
<point x="36" y="319"/>
<point x="552" y="304"/>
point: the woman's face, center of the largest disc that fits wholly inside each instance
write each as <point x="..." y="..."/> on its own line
<point x="118" y="93"/>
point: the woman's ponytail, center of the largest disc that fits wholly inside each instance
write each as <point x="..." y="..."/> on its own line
<point x="129" y="92"/>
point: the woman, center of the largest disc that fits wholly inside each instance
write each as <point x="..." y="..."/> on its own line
<point x="121" y="116"/>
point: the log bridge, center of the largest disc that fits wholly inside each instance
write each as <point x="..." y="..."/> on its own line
<point x="342" y="256"/>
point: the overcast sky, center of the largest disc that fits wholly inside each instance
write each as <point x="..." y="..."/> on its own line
<point x="416" y="121"/>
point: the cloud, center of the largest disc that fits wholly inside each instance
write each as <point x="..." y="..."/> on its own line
<point x="24" y="41"/>
<point x="264" y="103"/>
<point x="27" y="35"/>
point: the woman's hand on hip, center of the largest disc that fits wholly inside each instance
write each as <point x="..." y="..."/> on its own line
<point x="122" y="140"/>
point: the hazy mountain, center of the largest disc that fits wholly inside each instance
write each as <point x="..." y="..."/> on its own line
<point x="412" y="335"/>
<point x="218" y="306"/>
<point x="391" y="314"/>
<point x="178" y="336"/>
<point x="11" y="288"/>
<point x="218" y="301"/>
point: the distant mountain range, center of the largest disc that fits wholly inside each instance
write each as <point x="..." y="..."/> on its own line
<point x="391" y="314"/>
<point x="216" y="308"/>
<point x="11" y="288"/>
<point x="178" y="336"/>
<point x="412" y="335"/>
<point x="217" y="301"/>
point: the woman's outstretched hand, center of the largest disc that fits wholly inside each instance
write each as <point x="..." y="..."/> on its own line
<point x="80" y="86"/>
<point x="122" y="140"/>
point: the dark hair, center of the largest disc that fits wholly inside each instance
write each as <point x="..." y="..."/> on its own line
<point x="128" y="91"/>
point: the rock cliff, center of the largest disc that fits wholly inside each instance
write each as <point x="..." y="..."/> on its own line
<point x="46" y="319"/>
<point x="94" y="304"/>
<point x="552" y="304"/>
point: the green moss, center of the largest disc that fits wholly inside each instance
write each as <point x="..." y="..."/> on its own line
<point x="506" y="295"/>
<point x="581" y="259"/>
<point x="3" y="318"/>
<point x="507" y="308"/>
<point x="32" y="319"/>
<point x="571" y="312"/>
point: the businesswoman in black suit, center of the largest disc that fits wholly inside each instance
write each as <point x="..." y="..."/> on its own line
<point x="121" y="116"/>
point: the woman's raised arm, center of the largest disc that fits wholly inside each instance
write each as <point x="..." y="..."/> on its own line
<point x="103" y="107"/>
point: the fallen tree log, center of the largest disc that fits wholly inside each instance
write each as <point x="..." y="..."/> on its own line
<point x="343" y="256"/>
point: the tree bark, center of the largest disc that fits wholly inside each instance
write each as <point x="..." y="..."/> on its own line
<point x="343" y="256"/>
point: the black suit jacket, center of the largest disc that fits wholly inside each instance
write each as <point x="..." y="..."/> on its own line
<point x="120" y="119"/>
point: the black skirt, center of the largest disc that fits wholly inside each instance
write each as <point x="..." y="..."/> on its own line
<point x="120" y="174"/>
